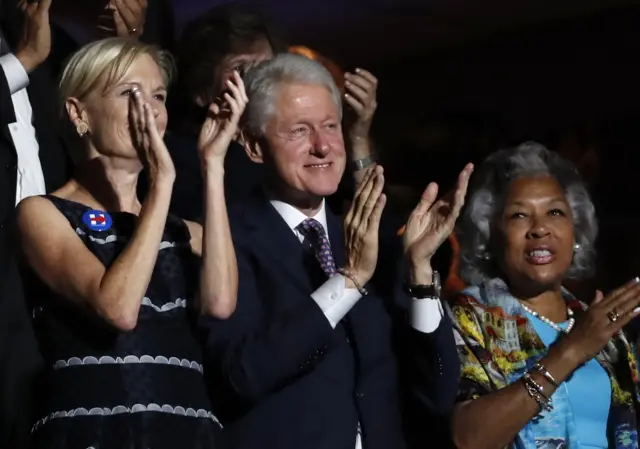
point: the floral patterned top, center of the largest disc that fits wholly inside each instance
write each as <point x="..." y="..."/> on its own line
<point x="497" y="344"/>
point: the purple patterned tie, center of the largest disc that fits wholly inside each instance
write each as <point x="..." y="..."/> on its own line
<point x="313" y="230"/>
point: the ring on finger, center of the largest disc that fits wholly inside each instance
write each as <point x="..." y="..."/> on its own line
<point x="613" y="315"/>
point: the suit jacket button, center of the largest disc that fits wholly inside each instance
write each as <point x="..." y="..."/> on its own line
<point x="359" y="395"/>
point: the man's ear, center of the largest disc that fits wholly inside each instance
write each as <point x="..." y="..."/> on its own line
<point x="252" y="146"/>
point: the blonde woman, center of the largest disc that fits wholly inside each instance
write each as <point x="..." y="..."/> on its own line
<point x="115" y="289"/>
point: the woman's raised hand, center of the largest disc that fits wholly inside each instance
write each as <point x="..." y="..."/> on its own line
<point x="221" y="125"/>
<point x="147" y="139"/>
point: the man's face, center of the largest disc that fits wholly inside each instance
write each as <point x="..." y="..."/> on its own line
<point x="304" y="143"/>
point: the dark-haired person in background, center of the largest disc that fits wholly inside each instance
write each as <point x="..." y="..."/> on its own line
<point x="212" y="46"/>
<point x="222" y="40"/>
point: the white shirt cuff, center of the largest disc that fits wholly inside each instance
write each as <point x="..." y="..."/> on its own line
<point x="335" y="299"/>
<point x="17" y="77"/>
<point x="426" y="314"/>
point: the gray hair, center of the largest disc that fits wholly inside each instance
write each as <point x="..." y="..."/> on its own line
<point x="486" y="200"/>
<point x="262" y="83"/>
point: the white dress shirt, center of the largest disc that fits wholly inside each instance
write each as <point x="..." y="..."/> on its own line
<point x="336" y="300"/>
<point x="333" y="297"/>
<point x="29" y="179"/>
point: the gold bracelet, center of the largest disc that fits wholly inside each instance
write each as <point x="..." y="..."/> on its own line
<point x="363" y="291"/>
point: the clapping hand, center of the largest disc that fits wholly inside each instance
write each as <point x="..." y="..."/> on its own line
<point x="124" y="18"/>
<point x="34" y="45"/>
<point x="361" y="88"/>
<point x="431" y="223"/>
<point x="221" y="125"/>
<point x="606" y="316"/>
<point x="147" y="139"/>
<point x="361" y="226"/>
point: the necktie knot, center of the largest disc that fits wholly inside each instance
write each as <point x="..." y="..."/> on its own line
<point x="315" y="233"/>
<point x="311" y="228"/>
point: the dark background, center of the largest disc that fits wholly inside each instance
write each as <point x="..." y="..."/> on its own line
<point x="462" y="78"/>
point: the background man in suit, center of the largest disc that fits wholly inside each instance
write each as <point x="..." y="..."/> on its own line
<point x="306" y="360"/>
<point x="32" y="161"/>
<point x="212" y="46"/>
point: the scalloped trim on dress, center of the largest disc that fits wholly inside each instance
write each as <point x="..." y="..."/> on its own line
<point x="109" y="239"/>
<point x="115" y="238"/>
<point x="120" y="409"/>
<point x="107" y="360"/>
<point x="165" y="245"/>
<point x="180" y="302"/>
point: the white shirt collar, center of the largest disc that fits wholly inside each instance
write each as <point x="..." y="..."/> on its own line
<point x="293" y="217"/>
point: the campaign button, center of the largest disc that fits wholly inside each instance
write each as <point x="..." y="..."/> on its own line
<point x="97" y="220"/>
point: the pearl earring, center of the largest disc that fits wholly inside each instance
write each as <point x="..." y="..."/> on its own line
<point x="576" y="247"/>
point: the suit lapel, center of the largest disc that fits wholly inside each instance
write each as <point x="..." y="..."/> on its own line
<point x="336" y="238"/>
<point x="271" y="236"/>
<point x="7" y="113"/>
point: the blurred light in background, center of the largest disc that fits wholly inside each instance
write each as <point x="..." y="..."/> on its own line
<point x="332" y="67"/>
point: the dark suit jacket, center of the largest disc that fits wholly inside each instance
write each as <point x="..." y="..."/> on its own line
<point x="280" y="375"/>
<point x="19" y="357"/>
<point x="242" y="176"/>
<point x="429" y="368"/>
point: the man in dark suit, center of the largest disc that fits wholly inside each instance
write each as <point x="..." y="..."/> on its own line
<point x="33" y="162"/>
<point x="219" y="41"/>
<point x="307" y="358"/>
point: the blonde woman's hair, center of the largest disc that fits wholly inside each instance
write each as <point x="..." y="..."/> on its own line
<point x="110" y="58"/>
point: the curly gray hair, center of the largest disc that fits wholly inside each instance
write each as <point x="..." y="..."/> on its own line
<point x="486" y="200"/>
